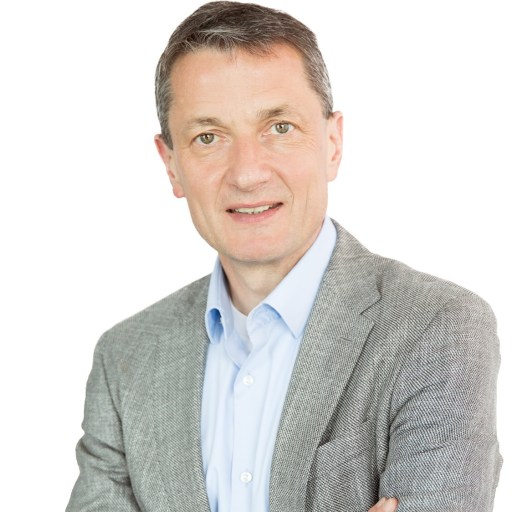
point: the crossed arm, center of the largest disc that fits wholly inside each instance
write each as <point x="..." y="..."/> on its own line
<point x="443" y="451"/>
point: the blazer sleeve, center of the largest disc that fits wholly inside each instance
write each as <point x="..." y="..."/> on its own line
<point x="104" y="482"/>
<point x="443" y="452"/>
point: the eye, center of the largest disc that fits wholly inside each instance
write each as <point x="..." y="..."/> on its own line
<point x="205" y="138"/>
<point x="281" y="128"/>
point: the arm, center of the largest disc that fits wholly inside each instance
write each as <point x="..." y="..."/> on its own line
<point x="443" y="453"/>
<point x="104" y="482"/>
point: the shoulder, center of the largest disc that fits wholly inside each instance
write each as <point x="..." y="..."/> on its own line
<point x="408" y="295"/>
<point x="411" y="293"/>
<point x="138" y="334"/>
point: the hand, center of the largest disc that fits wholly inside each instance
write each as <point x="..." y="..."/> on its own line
<point x="385" y="505"/>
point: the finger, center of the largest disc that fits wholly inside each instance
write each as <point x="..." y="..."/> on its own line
<point x="385" y="505"/>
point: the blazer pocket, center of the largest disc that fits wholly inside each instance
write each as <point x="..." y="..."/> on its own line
<point x="343" y="475"/>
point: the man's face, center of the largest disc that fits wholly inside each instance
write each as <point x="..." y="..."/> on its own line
<point x="252" y="153"/>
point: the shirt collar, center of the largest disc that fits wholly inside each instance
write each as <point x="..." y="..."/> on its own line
<point x="218" y="318"/>
<point x="292" y="298"/>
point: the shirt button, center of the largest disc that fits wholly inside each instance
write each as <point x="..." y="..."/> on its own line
<point x="248" y="380"/>
<point x="246" y="477"/>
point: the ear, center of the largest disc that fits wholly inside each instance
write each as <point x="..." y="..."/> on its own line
<point x="335" y="144"/>
<point x="169" y="160"/>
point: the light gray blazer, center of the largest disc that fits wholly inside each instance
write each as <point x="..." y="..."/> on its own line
<point x="393" y="393"/>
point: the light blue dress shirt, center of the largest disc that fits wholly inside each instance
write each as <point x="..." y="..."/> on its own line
<point x="249" y="364"/>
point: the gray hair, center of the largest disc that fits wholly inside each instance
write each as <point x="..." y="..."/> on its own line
<point x="229" y="26"/>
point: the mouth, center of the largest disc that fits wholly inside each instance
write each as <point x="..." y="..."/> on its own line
<point x="255" y="210"/>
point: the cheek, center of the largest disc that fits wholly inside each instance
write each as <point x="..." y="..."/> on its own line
<point x="190" y="178"/>
<point x="200" y="190"/>
<point x="309" y="174"/>
<point x="202" y="172"/>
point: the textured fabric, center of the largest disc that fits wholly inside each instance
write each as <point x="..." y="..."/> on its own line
<point x="244" y="390"/>
<point x="392" y="393"/>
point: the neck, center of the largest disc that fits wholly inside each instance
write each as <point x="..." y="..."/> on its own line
<point x="250" y="283"/>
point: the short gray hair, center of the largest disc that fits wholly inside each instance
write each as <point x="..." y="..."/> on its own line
<point x="229" y="26"/>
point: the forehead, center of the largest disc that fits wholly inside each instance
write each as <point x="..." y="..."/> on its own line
<point x="210" y="76"/>
<point x="193" y="61"/>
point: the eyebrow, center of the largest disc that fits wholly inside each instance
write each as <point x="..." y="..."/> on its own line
<point x="263" y="115"/>
<point x="203" y="121"/>
<point x="280" y="111"/>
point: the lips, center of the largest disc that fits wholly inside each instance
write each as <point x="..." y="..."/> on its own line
<point x="254" y="210"/>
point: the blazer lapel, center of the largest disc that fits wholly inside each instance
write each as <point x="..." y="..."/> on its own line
<point x="333" y="340"/>
<point x="178" y="382"/>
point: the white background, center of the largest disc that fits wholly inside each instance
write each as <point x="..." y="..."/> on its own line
<point x="90" y="232"/>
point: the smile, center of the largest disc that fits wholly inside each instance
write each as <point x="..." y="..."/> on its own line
<point x="255" y="210"/>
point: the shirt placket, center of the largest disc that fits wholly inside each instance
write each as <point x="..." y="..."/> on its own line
<point x="249" y="399"/>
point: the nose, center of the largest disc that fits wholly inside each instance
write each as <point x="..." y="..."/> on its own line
<point x="249" y="165"/>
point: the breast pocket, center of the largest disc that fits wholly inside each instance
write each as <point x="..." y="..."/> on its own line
<point x="344" y="475"/>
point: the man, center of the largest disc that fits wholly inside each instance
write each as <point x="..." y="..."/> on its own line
<point x="305" y="373"/>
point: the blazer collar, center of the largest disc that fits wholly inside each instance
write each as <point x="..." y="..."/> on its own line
<point x="177" y="390"/>
<point x="336" y="332"/>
